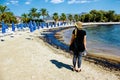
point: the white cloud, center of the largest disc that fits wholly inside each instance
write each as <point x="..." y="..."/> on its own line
<point x="14" y="2"/>
<point x="80" y="1"/>
<point x="84" y="1"/>
<point x="7" y="3"/>
<point x="27" y="2"/>
<point x="56" y="1"/>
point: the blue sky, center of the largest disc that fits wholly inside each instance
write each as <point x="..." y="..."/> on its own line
<point x="19" y="7"/>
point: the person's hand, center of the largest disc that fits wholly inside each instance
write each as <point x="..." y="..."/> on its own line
<point x="71" y="52"/>
<point x="85" y="53"/>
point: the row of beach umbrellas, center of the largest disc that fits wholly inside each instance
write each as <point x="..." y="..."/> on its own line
<point x="32" y="26"/>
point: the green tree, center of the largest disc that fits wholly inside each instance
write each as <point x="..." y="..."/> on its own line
<point x="3" y="9"/>
<point x="6" y="15"/>
<point x="99" y="16"/>
<point x="82" y="18"/>
<point x="63" y="17"/>
<point x="70" y="17"/>
<point x="93" y="12"/>
<point x="76" y="17"/>
<point x="44" y="12"/>
<point x="38" y="15"/>
<point x="25" y="18"/>
<point x="87" y="17"/>
<point x="110" y="15"/>
<point x="55" y="17"/>
<point x="117" y="18"/>
<point x="33" y="13"/>
<point x="10" y="18"/>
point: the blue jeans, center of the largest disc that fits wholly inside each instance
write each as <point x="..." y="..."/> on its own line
<point x="77" y="58"/>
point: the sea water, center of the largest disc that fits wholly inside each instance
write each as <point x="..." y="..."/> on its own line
<point x="100" y="39"/>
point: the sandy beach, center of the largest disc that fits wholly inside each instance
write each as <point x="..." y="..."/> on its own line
<point x="25" y="57"/>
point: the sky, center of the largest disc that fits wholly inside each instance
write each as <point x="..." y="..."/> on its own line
<point x="18" y="7"/>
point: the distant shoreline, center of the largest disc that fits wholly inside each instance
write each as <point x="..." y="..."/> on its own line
<point x="100" y="23"/>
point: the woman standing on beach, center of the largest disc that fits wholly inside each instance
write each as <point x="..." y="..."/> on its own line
<point x="79" y="46"/>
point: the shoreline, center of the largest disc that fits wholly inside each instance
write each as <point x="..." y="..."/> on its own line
<point x="102" y="56"/>
<point x="100" y="23"/>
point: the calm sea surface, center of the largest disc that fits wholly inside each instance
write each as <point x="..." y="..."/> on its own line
<point x="100" y="39"/>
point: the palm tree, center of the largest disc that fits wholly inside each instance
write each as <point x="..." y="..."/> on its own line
<point x="76" y="17"/>
<point x="44" y="12"/>
<point x="70" y="17"/>
<point x="33" y="13"/>
<point x="25" y="18"/>
<point x="63" y="17"/>
<point x="82" y="18"/>
<point x="55" y="17"/>
<point x="38" y="15"/>
<point x="6" y="15"/>
<point x="9" y="18"/>
<point x="3" y="9"/>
